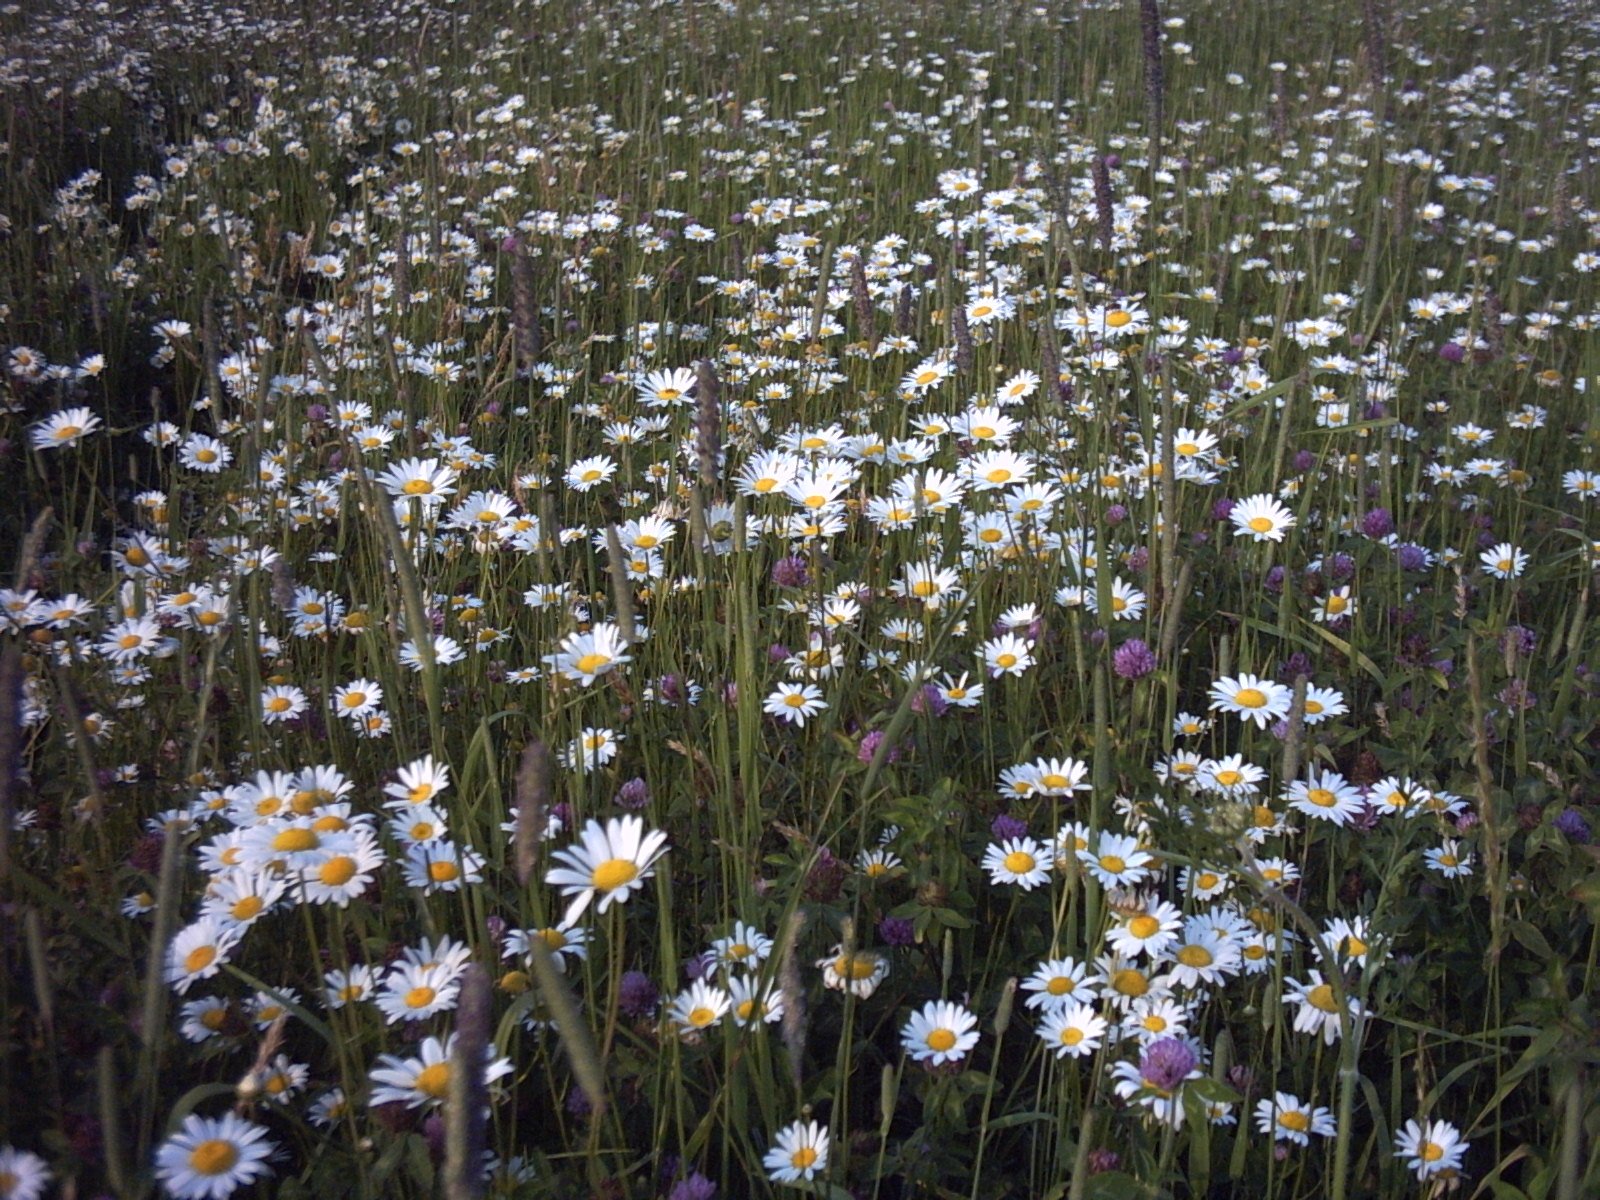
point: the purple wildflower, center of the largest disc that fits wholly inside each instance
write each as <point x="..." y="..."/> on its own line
<point x="1133" y="659"/>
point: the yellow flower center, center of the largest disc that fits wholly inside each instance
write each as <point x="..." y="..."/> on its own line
<point x="434" y="1081"/>
<point x="803" y="1158"/>
<point x="278" y="704"/>
<point x="1128" y="982"/>
<point x="1144" y="926"/>
<point x="1336" y="604"/>
<point x="1071" y="1035"/>
<point x="214" y="1156"/>
<point x="1187" y="449"/>
<point x="418" y="487"/>
<point x="998" y="475"/>
<point x="795" y="700"/>
<point x="1061" y="985"/>
<point x="1207" y="881"/>
<point x="213" y="1019"/>
<point x="246" y="909"/>
<point x="68" y="431"/>
<point x="130" y="641"/>
<point x="1019" y="862"/>
<point x="1195" y="956"/>
<point x="206" y="455"/>
<point x="1261" y="524"/>
<point x="1112" y="864"/>
<point x="1321" y="997"/>
<point x="702" y="1016"/>
<point x="420" y="997"/>
<point x="1431" y="1152"/>
<point x="1322" y="797"/>
<point x="294" y="841"/>
<point x="337" y="871"/>
<point x="353" y="699"/>
<point x="1250" y="698"/>
<point x="854" y="966"/>
<point x="199" y="959"/>
<point x="924" y="588"/>
<point x="940" y="1040"/>
<point x="1117" y="318"/>
<point x="443" y="871"/>
<point x="1354" y="946"/>
<point x="589" y="664"/>
<point x="1295" y="1120"/>
<point x="1006" y="661"/>
<point x="614" y="873"/>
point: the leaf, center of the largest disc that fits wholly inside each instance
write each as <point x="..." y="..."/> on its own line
<point x="192" y="1099"/>
<point x="1114" y="1185"/>
<point x="1012" y="1120"/>
<point x="1528" y="934"/>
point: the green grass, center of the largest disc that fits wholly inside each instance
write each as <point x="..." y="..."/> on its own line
<point x="1358" y="284"/>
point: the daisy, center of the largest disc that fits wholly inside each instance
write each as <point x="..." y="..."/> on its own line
<point x="1021" y="861"/>
<point x="1323" y="704"/>
<point x="239" y="898"/>
<point x="419" y="782"/>
<point x="1448" y="860"/>
<point x="202" y="453"/>
<point x="340" y="988"/>
<point x="613" y="861"/>
<point x="587" y="473"/>
<point x="562" y="941"/>
<point x="64" y="428"/>
<point x="1430" y="1147"/>
<point x="280" y="1079"/>
<point x="441" y="866"/>
<point x="1007" y="654"/>
<point x="1252" y="698"/>
<point x="1262" y="517"/>
<point x="1325" y="795"/>
<point x="698" y="1007"/>
<point x="1317" y="1008"/>
<point x="282" y="702"/>
<point x="585" y="657"/>
<point x="940" y="1033"/>
<point x="1289" y="1120"/>
<point x="209" y="1158"/>
<point x="422" y="478"/>
<point x="343" y="870"/>
<point x="199" y="950"/>
<point x="1504" y="561"/>
<point x="357" y="698"/>
<point x="1059" y="982"/>
<point x="1232" y="776"/>
<point x="666" y="388"/>
<point x="1203" y="957"/>
<point x="425" y="1080"/>
<point x="860" y="972"/>
<point x="1072" y="1030"/>
<point x="929" y="584"/>
<point x="1060" y="776"/>
<point x="1154" y="1017"/>
<point x="1117" y="860"/>
<point x="23" y="1175"/>
<point x="745" y="947"/>
<point x="752" y="1003"/>
<point x="799" y="1152"/>
<point x="795" y="702"/>
<point x="1148" y="930"/>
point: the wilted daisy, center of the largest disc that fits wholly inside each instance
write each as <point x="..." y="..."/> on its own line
<point x="211" y="1157"/>
<point x="860" y="971"/>
<point x="1262" y="517"/>
<point x="612" y="862"/>
<point x="1288" y="1119"/>
<point x="799" y="1152"/>
<point x="1430" y="1148"/>
<point x="940" y="1033"/>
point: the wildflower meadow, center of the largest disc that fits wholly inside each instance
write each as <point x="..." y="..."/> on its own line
<point x="863" y="598"/>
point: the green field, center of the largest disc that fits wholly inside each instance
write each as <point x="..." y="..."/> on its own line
<point x="875" y="599"/>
